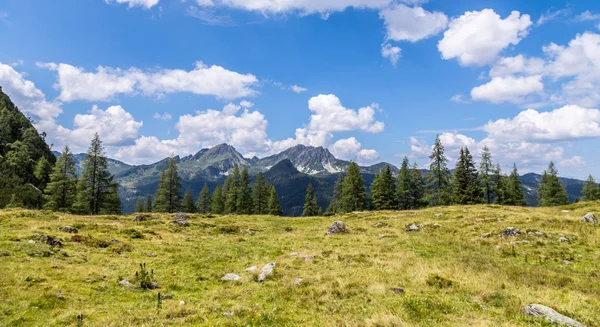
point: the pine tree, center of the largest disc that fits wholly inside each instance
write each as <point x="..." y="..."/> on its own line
<point x="486" y="170"/>
<point x="311" y="208"/>
<point x="149" y="203"/>
<point x="336" y="201"/>
<point x="112" y="203"/>
<point x="417" y="188"/>
<point x="168" y="198"/>
<point x="383" y="190"/>
<point x="204" y="200"/>
<point x="467" y="188"/>
<point x="42" y="172"/>
<point x="244" y="196"/>
<point x="232" y="184"/>
<point x="590" y="190"/>
<point x="62" y="188"/>
<point x="260" y="195"/>
<point x="353" y="190"/>
<point x="274" y="207"/>
<point x="514" y="194"/>
<point x="94" y="186"/>
<point x="439" y="186"/>
<point x="188" y="205"/>
<point x="404" y="187"/>
<point x="499" y="183"/>
<point x="551" y="192"/>
<point x="217" y="205"/>
<point x="139" y="205"/>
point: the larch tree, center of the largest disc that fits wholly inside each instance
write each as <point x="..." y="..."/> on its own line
<point x="231" y="186"/>
<point x="486" y="170"/>
<point x="417" y="188"/>
<point x="439" y="187"/>
<point x="168" y="197"/>
<point x="353" y="190"/>
<point x="62" y="188"/>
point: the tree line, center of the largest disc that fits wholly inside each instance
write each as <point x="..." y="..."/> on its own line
<point x="236" y="196"/>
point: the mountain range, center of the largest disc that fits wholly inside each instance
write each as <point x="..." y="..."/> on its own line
<point x="289" y="171"/>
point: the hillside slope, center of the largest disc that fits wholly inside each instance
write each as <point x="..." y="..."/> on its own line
<point x="376" y="275"/>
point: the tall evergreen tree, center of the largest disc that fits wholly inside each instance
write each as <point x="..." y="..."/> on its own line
<point x="42" y="172"/>
<point x="514" y="194"/>
<point x="590" y="190"/>
<point x="353" y="190"/>
<point x="168" y="198"/>
<point x="467" y="188"/>
<point x="139" y="205"/>
<point x="383" y="191"/>
<point x="417" y="188"/>
<point x="311" y="208"/>
<point x="260" y="195"/>
<point x="62" y="188"/>
<point x="217" y="205"/>
<point x="274" y="207"/>
<point x="204" y="200"/>
<point x="95" y="183"/>
<point x="405" y="192"/>
<point x="439" y="186"/>
<point x="336" y="201"/>
<point x="499" y="183"/>
<point x="551" y="192"/>
<point x="149" y="203"/>
<point x="232" y="184"/>
<point x="486" y="171"/>
<point x="187" y="204"/>
<point x="244" y="197"/>
<point x="112" y="203"/>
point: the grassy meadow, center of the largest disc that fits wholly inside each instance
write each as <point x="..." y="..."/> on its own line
<point x="376" y="275"/>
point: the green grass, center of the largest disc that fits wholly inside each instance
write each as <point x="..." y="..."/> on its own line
<point x="450" y="276"/>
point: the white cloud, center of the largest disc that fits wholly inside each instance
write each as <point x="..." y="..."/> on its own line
<point x="165" y="116"/>
<point x="246" y="104"/>
<point x="573" y="162"/>
<point x="459" y="98"/>
<point x="133" y="3"/>
<point x="329" y="115"/>
<point x="391" y="52"/>
<point x="478" y="37"/>
<point x="350" y="149"/>
<point x="298" y="89"/>
<point x="303" y="7"/>
<point x="587" y="15"/>
<point x="551" y="15"/>
<point x="508" y="89"/>
<point x="404" y="23"/>
<point x="519" y="64"/>
<point x="77" y="84"/>
<point x="366" y="156"/>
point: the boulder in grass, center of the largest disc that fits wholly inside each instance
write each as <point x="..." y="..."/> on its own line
<point x="412" y="228"/>
<point x="181" y="223"/>
<point x="589" y="218"/>
<point x="231" y="277"/>
<point x="510" y="232"/>
<point x="563" y="240"/>
<point x="140" y="218"/>
<point x="550" y="315"/>
<point x="266" y="271"/>
<point x="181" y="216"/>
<point x="67" y="229"/>
<point x="337" y="228"/>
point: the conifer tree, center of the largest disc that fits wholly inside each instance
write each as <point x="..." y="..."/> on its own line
<point x="551" y="192"/>
<point x="260" y="195"/>
<point x="274" y="207"/>
<point x="244" y="196"/>
<point x="62" y="188"/>
<point x="149" y="203"/>
<point x="139" y="205"/>
<point x="112" y="203"/>
<point x="514" y="194"/>
<point x="168" y="198"/>
<point x="467" y="188"/>
<point x="187" y="204"/>
<point x="405" y="192"/>
<point x="42" y="172"/>
<point x="417" y="188"/>
<point x="439" y="186"/>
<point x="217" y="205"/>
<point x="311" y="208"/>
<point x="486" y="170"/>
<point x="336" y="201"/>
<point x="232" y="184"/>
<point x="94" y="186"/>
<point x="383" y="191"/>
<point x="590" y="190"/>
<point x="204" y="200"/>
<point x="353" y="190"/>
<point x="499" y="183"/>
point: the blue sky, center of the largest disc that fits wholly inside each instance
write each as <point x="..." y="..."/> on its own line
<point x="372" y="80"/>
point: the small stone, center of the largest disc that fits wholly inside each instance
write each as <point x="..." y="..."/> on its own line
<point x="166" y="297"/>
<point x="152" y="286"/>
<point x="295" y="254"/>
<point x="412" y="228"/>
<point x="563" y="240"/>
<point x="397" y="290"/>
<point x="80" y="316"/>
<point x="439" y="215"/>
<point x="124" y="282"/>
<point x="267" y="270"/>
<point x="538" y="233"/>
<point x="436" y="225"/>
<point x="181" y="223"/>
<point x="298" y="281"/>
<point x="550" y="315"/>
<point x="152" y="255"/>
<point x="309" y="258"/>
<point x="485" y="235"/>
<point x="378" y="224"/>
<point x="140" y="218"/>
<point x="114" y="241"/>
<point x="251" y="269"/>
<point x="565" y="211"/>
<point x="381" y="236"/>
<point x="67" y="229"/>
<point x="510" y="232"/>
<point x="228" y="314"/>
<point x="31" y="242"/>
<point x="589" y="218"/>
<point x="181" y="303"/>
<point x="566" y="262"/>
<point x="337" y="228"/>
<point x="232" y="277"/>
<point x="181" y="216"/>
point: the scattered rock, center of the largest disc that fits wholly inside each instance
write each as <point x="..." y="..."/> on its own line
<point x="337" y="228"/>
<point x="182" y="303"/>
<point x="566" y="262"/>
<point x="550" y="315"/>
<point x="298" y="281"/>
<point x="589" y="218"/>
<point x="381" y="235"/>
<point x="67" y="229"/>
<point x="436" y="225"/>
<point x="181" y="223"/>
<point x="309" y="258"/>
<point x="124" y="282"/>
<point x="251" y="269"/>
<point x="181" y="216"/>
<point x="536" y="233"/>
<point x="31" y="242"/>
<point x="439" y="215"/>
<point x="563" y="240"/>
<point x="266" y="271"/>
<point x="565" y="211"/>
<point x="295" y="254"/>
<point x="48" y="240"/>
<point x="412" y="228"/>
<point x="379" y="224"/>
<point x="114" y="241"/>
<point x="152" y="286"/>
<point x="397" y="290"/>
<point x="152" y="255"/>
<point x="485" y="235"/>
<point x="140" y="218"/>
<point x="166" y="297"/>
<point x="228" y="314"/>
<point x="510" y="232"/>
<point x="232" y="277"/>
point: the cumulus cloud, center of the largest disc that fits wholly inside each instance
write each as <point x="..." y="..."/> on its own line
<point x="304" y="7"/>
<point x="508" y="89"/>
<point x="329" y="115"/>
<point x="391" y="53"/>
<point x="136" y="3"/>
<point x="165" y="116"/>
<point x="75" y="83"/>
<point x="477" y="37"/>
<point x="412" y="24"/>
<point x="298" y="89"/>
<point x="350" y="149"/>
<point x="587" y="15"/>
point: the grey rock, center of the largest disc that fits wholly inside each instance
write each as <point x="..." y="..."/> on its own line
<point x="381" y="235"/>
<point x="228" y="314"/>
<point x="181" y="223"/>
<point x="564" y="211"/>
<point x="550" y="315"/>
<point x="412" y="228"/>
<point x="309" y="258"/>
<point x="510" y="232"/>
<point x="379" y="224"/>
<point x="140" y="218"/>
<point x="152" y="286"/>
<point x="485" y="235"/>
<point x="563" y="240"/>
<point x="181" y="216"/>
<point x="337" y="228"/>
<point x="538" y="233"/>
<point x="67" y="229"/>
<point x="124" y="282"/>
<point x="295" y="254"/>
<point x="589" y="218"/>
<point x="397" y="290"/>
<point x="48" y="240"/>
<point x="298" y="281"/>
<point x="251" y="269"/>
<point x="439" y="215"/>
<point x="267" y="270"/>
<point x="231" y="277"/>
